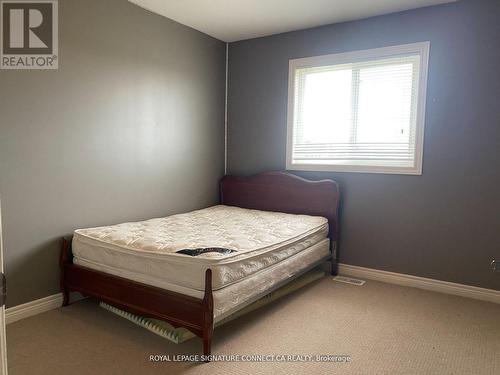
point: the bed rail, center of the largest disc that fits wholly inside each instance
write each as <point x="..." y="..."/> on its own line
<point x="177" y="309"/>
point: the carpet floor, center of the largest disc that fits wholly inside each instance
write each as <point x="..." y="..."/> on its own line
<point x="385" y="329"/>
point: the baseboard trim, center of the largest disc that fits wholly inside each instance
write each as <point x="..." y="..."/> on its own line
<point x="13" y="314"/>
<point x="462" y="290"/>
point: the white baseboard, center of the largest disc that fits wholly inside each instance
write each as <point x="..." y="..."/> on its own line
<point x="13" y="314"/>
<point x="474" y="292"/>
<point x="41" y="305"/>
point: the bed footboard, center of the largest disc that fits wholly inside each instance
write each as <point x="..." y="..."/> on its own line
<point x="141" y="299"/>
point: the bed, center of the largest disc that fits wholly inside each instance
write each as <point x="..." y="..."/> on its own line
<point x="195" y="269"/>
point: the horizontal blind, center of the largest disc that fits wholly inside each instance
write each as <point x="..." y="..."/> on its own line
<point x="360" y="113"/>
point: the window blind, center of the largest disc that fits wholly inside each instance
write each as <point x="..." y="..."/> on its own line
<point x="361" y="113"/>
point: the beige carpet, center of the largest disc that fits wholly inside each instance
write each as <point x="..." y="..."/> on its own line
<point x="385" y="329"/>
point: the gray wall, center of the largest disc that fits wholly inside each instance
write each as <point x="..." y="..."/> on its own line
<point x="130" y="127"/>
<point x="444" y="224"/>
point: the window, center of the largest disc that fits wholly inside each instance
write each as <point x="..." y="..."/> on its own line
<point x="359" y="111"/>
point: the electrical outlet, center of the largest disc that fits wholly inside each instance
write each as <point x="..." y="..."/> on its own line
<point x="495" y="265"/>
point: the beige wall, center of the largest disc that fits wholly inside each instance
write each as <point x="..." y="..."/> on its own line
<point x="130" y="127"/>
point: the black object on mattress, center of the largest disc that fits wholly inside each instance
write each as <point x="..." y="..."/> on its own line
<point x="196" y="252"/>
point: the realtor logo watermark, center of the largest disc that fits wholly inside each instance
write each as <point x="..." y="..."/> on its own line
<point x="29" y="34"/>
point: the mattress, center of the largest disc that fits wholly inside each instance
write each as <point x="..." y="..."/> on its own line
<point x="148" y="251"/>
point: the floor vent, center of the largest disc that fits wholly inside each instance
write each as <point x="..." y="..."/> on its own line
<point x="349" y="280"/>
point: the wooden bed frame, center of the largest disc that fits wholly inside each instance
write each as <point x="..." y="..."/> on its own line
<point x="273" y="191"/>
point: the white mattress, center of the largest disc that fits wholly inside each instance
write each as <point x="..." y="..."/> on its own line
<point x="240" y="294"/>
<point x="146" y="251"/>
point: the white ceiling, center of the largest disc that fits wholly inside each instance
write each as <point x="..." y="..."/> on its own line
<point x="232" y="20"/>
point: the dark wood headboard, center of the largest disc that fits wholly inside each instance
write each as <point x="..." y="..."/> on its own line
<point x="284" y="192"/>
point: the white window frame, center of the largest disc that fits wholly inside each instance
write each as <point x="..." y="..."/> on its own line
<point x="422" y="48"/>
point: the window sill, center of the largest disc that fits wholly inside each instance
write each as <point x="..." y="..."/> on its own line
<point x="415" y="171"/>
